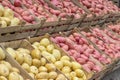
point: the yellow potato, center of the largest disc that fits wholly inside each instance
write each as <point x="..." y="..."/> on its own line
<point x="36" y="44"/>
<point x="73" y="74"/>
<point x="76" y="65"/>
<point x="2" y="54"/>
<point x="67" y="63"/>
<point x="3" y="78"/>
<point x="21" y="78"/>
<point x="52" y="59"/>
<point x="56" y="53"/>
<point x="6" y="64"/>
<point x="79" y="73"/>
<point x="52" y="75"/>
<point x="36" y="54"/>
<point x="19" y="57"/>
<point x="8" y="13"/>
<point x="45" y="42"/>
<point x="13" y="76"/>
<point x="42" y="69"/>
<point x="32" y="75"/>
<point x="42" y="75"/>
<point x="61" y="77"/>
<point x="3" y="24"/>
<point x="43" y="61"/>
<point x="27" y="59"/>
<point x="66" y="69"/>
<point x="65" y="58"/>
<point x="4" y="71"/>
<point x="34" y="69"/>
<point x="11" y="52"/>
<point x="26" y="67"/>
<point x="13" y="69"/>
<point x="59" y="64"/>
<point x="50" y="67"/>
<point x="50" y="48"/>
<point x="15" y="21"/>
<point x="41" y="48"/>
<point x="76" y="78"/>
<point x="36" y="62"/>
<point x="7" y="20"/>
<point x="22" y="50"/>
<point x="1" y="10"/>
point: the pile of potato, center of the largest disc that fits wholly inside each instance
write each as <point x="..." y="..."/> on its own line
<point x="7" y="17"/>
<point x="7" y="71"/>
<point x="37" y="66"/>
<point x="70" y="68"/>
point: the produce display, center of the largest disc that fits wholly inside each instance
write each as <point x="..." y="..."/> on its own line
<point x="19" y="12"/>
<point x="115" y="28"/>
<point x="102" y="45"/>
<point x="7" y="71"/>
<point x="36" y="65"/>
<point x="79" y="48"/>
<point x="7" y="17"/>
<point x="68" y="8"/>
<point x="71" y="69"/>
<point x="100" y="6"/>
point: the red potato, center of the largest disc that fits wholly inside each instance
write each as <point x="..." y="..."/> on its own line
<point x="17" y="3"/>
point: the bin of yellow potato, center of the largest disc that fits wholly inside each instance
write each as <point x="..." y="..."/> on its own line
<point x="7" y="18"/>
<point x="70" y="68"/>
<point x="35" y="64"/>
<point x="7" y="71"/>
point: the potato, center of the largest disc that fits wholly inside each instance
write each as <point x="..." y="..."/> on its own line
<point x="7" y="20"/>
<point x="43" y="61"/>
<point x="76" y="65"/>
<point x="61" y="77"/>
<point x="13" y="76"/>
<point x="52" y="75"/>
<point x="67" y="63"/>
<point x="79" y="73"/>
<point x="76" y="78"/>
<point x="73" y="74"/>
<point x="52" y="59"/>
<point x="42" y="69"/>
<point x="66" y="69"/>
<point x="26" y="67"/>
<point x="44" y="42"/>
<point x="11" y="52"/>
<point x="13" y="69"/>
<point x="56" y="53"/>
<point x="42" y="75"/>
<point x="3" y="78"/>
<point x="36" y="44"/>
<point x="15" y="21"/>
<point x="36" y="62"/>
<point x="3" y="24"/>
<point x="59" y="64"/>
<point x="32" y="75"/>
<point x="41" y="48"/>
<point x="21" y="78"/>
<point x="36" y="54"/>
<point x="22" y="50"/>
<point x="8" y="13"/>
<point x="50" y="48"/>
<point x="27" y="59"/>
<point x="2" y="54"/>
<point x="6" y="64"/>
<point x="50" y="67"/>
<point x="4" y="71"/>
<point x="1" y="10"/>
<point x="65" y="58"/>
<point x="34" y="69"/>
<point x="19" y="57"/>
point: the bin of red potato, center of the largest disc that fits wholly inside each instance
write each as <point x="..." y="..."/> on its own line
<point x="102" y="45"/>
<point x="100" y="6"/>
<point x="113" y="46"/>
<point x="115" y="28"/>
<point x="19" y="12"/>
<point x="68" y="7"/>
<point x="78" y="48"/>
